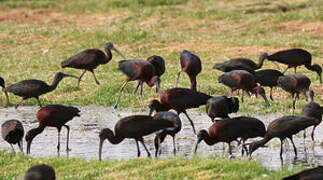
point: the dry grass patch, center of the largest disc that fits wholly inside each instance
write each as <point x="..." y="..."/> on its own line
<point x="301" y="27"/>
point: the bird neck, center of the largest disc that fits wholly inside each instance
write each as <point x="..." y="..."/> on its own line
<point x="34" y="132"/>
<point x="262" y="142"/>
<point x="193" y="82"/>
<point x="113" y="139"/>
<point x="210" y="140"/>
<point x="108" y="56"/>
<point x="54" y="84"/>
<point x="260" y="62"/>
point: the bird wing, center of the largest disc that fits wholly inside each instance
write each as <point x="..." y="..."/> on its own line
<point x="86" y="59"/>
<point x="9" y="126"/>
<point x="159" y="64"/>
<point x="28" y="88"/>
<point x="131" y="68"/>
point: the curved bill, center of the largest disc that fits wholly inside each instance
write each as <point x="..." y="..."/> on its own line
<point x="117" y="51"/>
<point x="100" y="149"/>
<point x="21" y="146"/>
<point x="70" y="75"/>
<point x="158" y="88"/>
<point x="196" y="145"/>
<point x="276" y="65"/>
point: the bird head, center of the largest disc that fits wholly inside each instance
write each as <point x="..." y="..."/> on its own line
<point x="59" y="76"/>
<point x="317" y="68"/>
<point x="109" y="46"/>
<point x="30" y="135"/>
<point x="104" y="134"/>
<point x="200" y="136"/>
<point x="261" y="91"/>
<point x="310" y="95"/>
<point x="254" y="146"/>
<point x="153" y="106"/>
<point x="312" y="109"/>
<point x="159" y="63"/>
<point x="2" y="83"/>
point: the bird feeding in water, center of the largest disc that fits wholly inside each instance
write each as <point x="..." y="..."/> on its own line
<point x="33" y="88"/>
<point x="53" y="116"/>
<point x="135" y="127"/>
<point x="90" y="59"/>
<point x="13" y="131"/>
<point x="221" y="106"/>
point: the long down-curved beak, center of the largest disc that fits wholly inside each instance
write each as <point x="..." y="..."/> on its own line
<point x="70" y="75"/>
<point x="100" y="148"/>
<point x="117" y="51"/>
<point x="158" y="88"/>
<point x="196" y="145"/>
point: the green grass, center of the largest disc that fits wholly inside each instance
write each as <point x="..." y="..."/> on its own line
<point x="15" y="165"/>
<point x="35" y="36"/>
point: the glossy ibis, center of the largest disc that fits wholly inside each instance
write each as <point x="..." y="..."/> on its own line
<point x="191" y="65"/>
<point x="40" y="172"/>
<point x="241" y="79"/>
<point x="90" y="59"/>
<point x="268" y="77"/>
<point x="33" y="88"/>
<point x="296" y="57"/>
<point x="229" y="130"/>
<point x="140" y="70"/>
<point x="282" y="128"/>
<point x="159" y="63"/>
<point x="135" y="127"/>
<point x="179" y="99"/>
<point x="2" y="84"/>
<point x="296" y="84"/>
<point x="12" y="131"/>
<point x="52" y="116"/>
<point x="160" y="136"/>
<point x="240" y="64"/>
<point x="308" y="174"/>
<point x="221" y="106"/>
<point x="313" y="110"/>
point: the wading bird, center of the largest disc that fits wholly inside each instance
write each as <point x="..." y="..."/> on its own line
<point x="179" y="99"/>
<point x="140" y="70"/>
<point x="221" y="106"/>
<point x="229" y="130"/>
<point x="33" y="88"/>
<point x="282" y="128"/>
<point x="40" y="172"/>
<point x="160" y="136"/>
<point x="240" y="64"/>
<point x="268" y="77"/>
<point x="2" y="84"/>
<point x="12" y="131"/>
<point x="296" y="84"/>
<point x="135" y="127"/>
<point x="296" y="57"/>
<point x="313" y="110"/>
<point x="52" y="116"/>
<point x="90" y="59"/>
<point x="191" y="65"/>
<point x="308" y="174"/>
<point x="241" y="79"/>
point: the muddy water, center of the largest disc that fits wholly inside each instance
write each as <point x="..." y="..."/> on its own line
<point x="84" y="139"/>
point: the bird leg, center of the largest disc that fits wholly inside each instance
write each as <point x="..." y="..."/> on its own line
<point x="178" y="74"/>
<point x="79" y="80"/>
<point x="294" y="101"/>
<point x="141" y="89"/>
<point x="20" y="145"/>
<point x="157" y="147"/>
<point x="271" y="93"/>
<point x="97" y="82"/>
<point x="312" y="135"/>
<point x="7" y="97"/>
<point x="68" y="137"/>
<point x="121" y="89"/>
<point x="142" y="142"/>
<point x="285" y="70"/>
<point x="16" y="106"/>
<point x="295" y="150"/>
<point x="192" y="124"/>
<point x="295" y="69"/>
<point x="58" y="140"/>
<point x="281" y="149"/>
<point x="13" y="149"/>
<point x="242" y="96"/>
<point x="174" y="144"/>
<point x="138" y="150"/>
<point x="39" y="104"/>
<point x="138" y="84"/>
<point x="230" y="149"/>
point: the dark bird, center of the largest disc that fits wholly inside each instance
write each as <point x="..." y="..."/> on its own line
<point x="229" y="130"/>
<point x="52" y="116"/>
<point x="140" y="70"/>
<point x="179" y="99"/>
<point x="296" y="57"/>
<point x="33" y="88"/>
<point x="40" y="172"/>
<point x="296" y="84"/>
<point x="12" y="131"/>
<point x="159" y="63"/>
<point x="308" y="174"/>
<point x="191" y="65"/>
<point x="282" y="128"/>
<point x="160" y="136"/>
<point x="241" y="79"/>
<point x="90" y="59"/>
<point x="268" y="77"/>
<point x="2" y="84"/>
<point x="240" y="64"/>
<point x="135" y="127"/>
<point x="221" y="106"/>
<point x="313" y="110"/>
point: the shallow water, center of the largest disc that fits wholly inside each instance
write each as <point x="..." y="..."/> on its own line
<point x="84" y="140"/>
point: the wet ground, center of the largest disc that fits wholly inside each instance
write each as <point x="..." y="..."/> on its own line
<point x="84" y="140"/>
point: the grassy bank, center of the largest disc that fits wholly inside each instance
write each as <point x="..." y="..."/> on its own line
<point x="35" y="36"/>
<point x="12" y="166"/>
